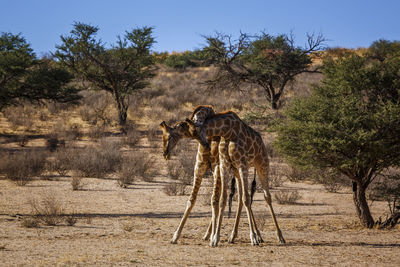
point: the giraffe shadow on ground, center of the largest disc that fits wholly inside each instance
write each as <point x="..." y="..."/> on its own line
<point x="304" y="243"/>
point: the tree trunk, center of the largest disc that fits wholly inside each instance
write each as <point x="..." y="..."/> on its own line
<point x="361" y="204"/>
<point x="274" y="101"/>
<point x="122" y="117"/>
<point x="122" y="108"/>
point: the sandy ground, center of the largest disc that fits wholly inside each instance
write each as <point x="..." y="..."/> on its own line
<point x="133" y="226"/>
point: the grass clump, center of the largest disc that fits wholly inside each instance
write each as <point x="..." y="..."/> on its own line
<point x="287" y="197"/>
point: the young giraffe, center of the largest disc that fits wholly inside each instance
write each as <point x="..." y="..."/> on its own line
<point x="242" y="147"/>
<point x="206" y="158"/>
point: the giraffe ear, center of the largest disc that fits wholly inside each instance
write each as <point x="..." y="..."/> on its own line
<point x="164" y="126"/>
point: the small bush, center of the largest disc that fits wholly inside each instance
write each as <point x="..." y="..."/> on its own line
<point x="287" y="196"/>
<point x="76" y="183"/>
<point x="71" y="219"/>
<point x="174" y="170"/>
<point x="297" y="175"/>
<point x="98" y="161"/>
<point x="276" y="175"/>
<point x="22" y="167"/>
<point x="174" y="189"/>
<point x="48" y="210"/>
<point x="30" y="222"/>
<point x="126" y="174"/>
<point x="62" y="161"/>
<point x="387" y="188"/>
<point x="183" y="168"/>
<point x="136" y="165"/>
<point x="20" y="116"/>
<point x="132" y="135"/>
<point x="52" y="143"/>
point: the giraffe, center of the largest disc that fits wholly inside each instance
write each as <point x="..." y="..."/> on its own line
<point x="206" y="158"/>
<point x="198" y="116"/>
<point x="242" y="147"/>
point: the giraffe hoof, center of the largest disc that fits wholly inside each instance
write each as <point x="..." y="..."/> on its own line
<point x="254" y="240"/>
<point x="282" y="240"/>
<point x="231" y="239"/>
<point x="173" y="241"/>
<point x="259" y="239"/>
<point x="214" y="242"/>
<point x="206" y="237"/>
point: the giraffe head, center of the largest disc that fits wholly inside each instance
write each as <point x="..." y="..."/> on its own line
<point x="171" y="136"/>
<point x="197" y="132"/>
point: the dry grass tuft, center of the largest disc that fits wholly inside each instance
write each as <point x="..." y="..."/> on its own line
<point x="174" y="189"/>
<point x="76" y="183"/>
<point x="287" y="197"/>
<point x="30" y="222"/>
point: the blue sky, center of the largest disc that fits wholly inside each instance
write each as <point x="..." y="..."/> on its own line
<point x="179" y="24"/>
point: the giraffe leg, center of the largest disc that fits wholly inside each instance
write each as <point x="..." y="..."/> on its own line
<point x="239" y="209"/>
<point x="263" y="174"/>
<point x="214" y="202"/>
<point x="200" y="169"/>
<point x="219" y="211"/>
<point x="243" y="172"/>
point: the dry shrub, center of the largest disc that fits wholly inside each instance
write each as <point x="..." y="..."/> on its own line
<point x="276" y="175"/>
<point x="22" y="167"/>
<point x="53" y="142"/>
<point x="132" y="135"/>
<point x="174" y="189"/>
<point x="98" y="108"/>
<point x="76" y="183"/>
<point x="168" y="103"/>
<point x="96" y="132"/>
<point x="20" y="116"/>
<point x="332" y="180"/>
<point x="153" y="132"/>
<point x="387" y="188"/>
<point x="287" y="196"/>
<point x="100" y="160"/>
<point x="48" y="210"/>
<point x="174" y="170"/>
<point x="136" y="165"/>
<point x="71" y="219"/>
<point x="127" y="226"/>
<point x="74" y="132"/>
<point x="297" y="174"/>
<point x="62" y="161"/>
<point x="30" y="222"/>
<point x="183" y="168"/>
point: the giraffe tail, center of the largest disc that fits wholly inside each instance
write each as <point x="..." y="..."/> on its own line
<point x="253" y="187"/>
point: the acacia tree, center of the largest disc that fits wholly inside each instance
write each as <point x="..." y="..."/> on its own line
<point x="23" y="77"/>
<point x="351" y="123"/>
<point x="119" y="70"/>
<point x="267" y="61"/>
